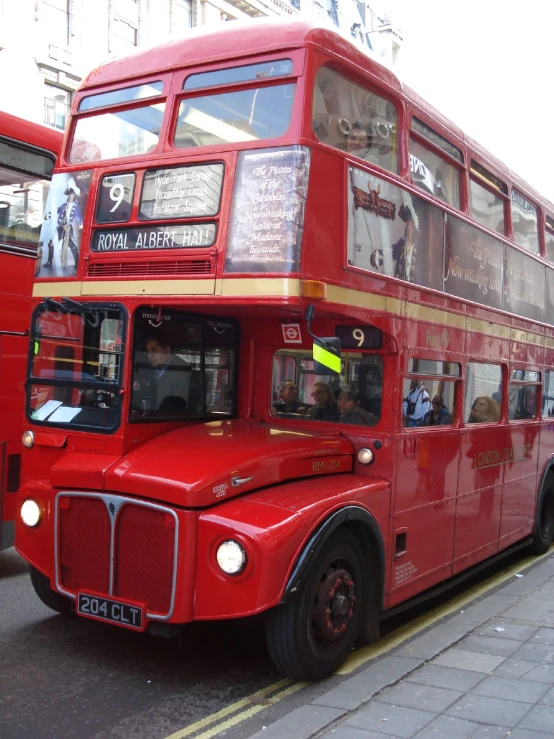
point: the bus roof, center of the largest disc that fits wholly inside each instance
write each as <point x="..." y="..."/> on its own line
<point x="27" y="132"/>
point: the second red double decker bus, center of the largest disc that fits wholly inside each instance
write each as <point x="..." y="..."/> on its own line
<point x="28" y="152"/>
<point x="219" y="202"/>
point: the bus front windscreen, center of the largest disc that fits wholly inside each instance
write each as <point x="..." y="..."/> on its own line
<point x="76" y="366"/>
<point x="230" y="117"/>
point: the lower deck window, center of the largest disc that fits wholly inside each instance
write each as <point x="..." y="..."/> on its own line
<point x="353" y="397"/>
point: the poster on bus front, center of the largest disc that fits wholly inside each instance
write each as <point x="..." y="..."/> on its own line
<point x="62" y="226"/>
<point x="392" y="232"/>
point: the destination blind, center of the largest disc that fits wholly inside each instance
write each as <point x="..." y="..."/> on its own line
<point x="154" y="237"/>
<point x="181" y="192"/>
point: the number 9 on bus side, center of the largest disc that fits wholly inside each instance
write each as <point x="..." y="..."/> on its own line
<point x="359" y="337"/>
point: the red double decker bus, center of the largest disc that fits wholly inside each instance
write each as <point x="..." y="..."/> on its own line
<point x="27" y="156"/>
<point x="190" y="454"/>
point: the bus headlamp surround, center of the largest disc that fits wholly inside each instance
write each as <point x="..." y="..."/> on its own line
<point x="231" y="557"/>
<point x="28" y="439"/>
<point x="31" y="513"/>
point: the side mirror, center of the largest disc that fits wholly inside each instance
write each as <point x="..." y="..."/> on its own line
<point x="325" y="351"/>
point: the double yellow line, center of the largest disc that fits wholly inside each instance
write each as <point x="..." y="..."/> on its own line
<point x="245" y="708"/>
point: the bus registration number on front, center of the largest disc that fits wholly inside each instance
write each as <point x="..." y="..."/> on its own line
<point x="128" y="615"/>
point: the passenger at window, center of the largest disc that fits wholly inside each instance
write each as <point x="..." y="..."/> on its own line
<point x="438" y="415"/>
<point x="351" y="411"/>
<point x="325" y="406"/>
<point x="484" y="410"/>
<point x="358" y="140"/>
<point x="416" y="405"/>
<point x="169" y="377"/>
<point x="288" y="399"/>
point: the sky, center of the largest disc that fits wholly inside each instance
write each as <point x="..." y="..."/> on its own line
<point x="488" y="66"/>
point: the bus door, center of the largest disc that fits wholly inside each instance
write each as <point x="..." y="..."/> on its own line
<point x="480" y="478"/>
<point x="426" y="478"/>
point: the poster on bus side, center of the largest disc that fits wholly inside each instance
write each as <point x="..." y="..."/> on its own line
<point x="392" y="232"/>
<point x="267" y="214"/>
<point x="60" y="235"/>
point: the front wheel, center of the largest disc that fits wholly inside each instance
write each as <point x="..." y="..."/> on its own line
<point x="310" y="637"/>
<point x="56" y="602"/>
<point x="543" y="535"/>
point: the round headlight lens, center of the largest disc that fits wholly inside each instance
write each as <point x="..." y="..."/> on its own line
<point x="231" y="557"/>
<point x="31" y="512"/>
<point x="28" y="439"/>
<point x="365" y="456"/>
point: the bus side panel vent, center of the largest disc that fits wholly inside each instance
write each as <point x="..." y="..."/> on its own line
<point x="154" y="268"/>
<point x="14" y="473"/>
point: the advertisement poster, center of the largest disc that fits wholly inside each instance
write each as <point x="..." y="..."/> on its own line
<point x="60" y="235"/>
<point x="524" y="285"/>
<point x="474" y="264"/>
<point x="267" y="215"/>
<point x="392" y="232"/>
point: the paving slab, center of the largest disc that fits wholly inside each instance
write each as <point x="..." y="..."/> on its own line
<point x="489" y="645"/>
<point x="539" y="718"/>
<point x="447" y="677"/>
<point x="423" y="697"/>
<point x="484" y="710"/>
<point x="511" y="689"/>
<point x="469" y="660"/>
<point x="447" y="726"/>
<point x="391" y="720"/>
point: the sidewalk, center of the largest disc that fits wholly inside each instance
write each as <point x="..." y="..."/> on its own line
<point x="487" y="671"/>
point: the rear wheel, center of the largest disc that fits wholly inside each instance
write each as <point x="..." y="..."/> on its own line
<point x="311" y="636"/>
<point x="56" y="602"/>
<point x="544" y="526"/>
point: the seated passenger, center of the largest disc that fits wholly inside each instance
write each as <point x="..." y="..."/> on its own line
<point x="325" y="408"/>
<point x="351" y="411"/>
<point x="288" y="399"/>
<point x="438" y="415"/>
<point x="484" y="410"/>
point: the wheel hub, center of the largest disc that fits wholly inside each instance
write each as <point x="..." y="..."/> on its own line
<point x="333" y="604"/>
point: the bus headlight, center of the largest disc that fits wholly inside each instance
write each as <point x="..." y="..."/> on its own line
<point x="365" y="456"/>
<point x="31" y="513"/>
<point x="28" y="439"/>
<point x="231" y="557"/>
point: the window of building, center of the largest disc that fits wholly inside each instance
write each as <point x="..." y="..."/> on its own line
<point x="525" y="222"/>
<point x="483" y="393"/>
<point x="54" y="19"/>
<point x="124" y="36"/>
<point x="549" y="238"/>
<point x="181" y="16"/>
<point x="487" y="206"/>
<point x="434" y="174"/>
<point x="57" y="104"/>
<point x="354" y="119"/>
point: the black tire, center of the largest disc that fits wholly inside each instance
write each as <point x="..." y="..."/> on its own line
<point x="56" y="602"/>
<point x="310" y="637"/>
<point x="543" y="535"/>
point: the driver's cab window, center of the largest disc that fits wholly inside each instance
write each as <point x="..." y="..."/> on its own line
<point x="184" y="366"/>
<point x="353" y="397"/>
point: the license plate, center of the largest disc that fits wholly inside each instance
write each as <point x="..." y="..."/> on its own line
<point x="131" y="616"/>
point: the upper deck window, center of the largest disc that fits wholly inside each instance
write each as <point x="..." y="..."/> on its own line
<point x="549" y="238"/>
<point x="233" y="75"/>
<point x="123" y="133"/>
<point x="434" y="174"/>
<point x="229" y="117"/>
<point x="436" y="139"/>
<point x="354" y="119"/>
<point x="118" y="97"/>
<point x="487" y="207"/>
<point x="525" y="222"/>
